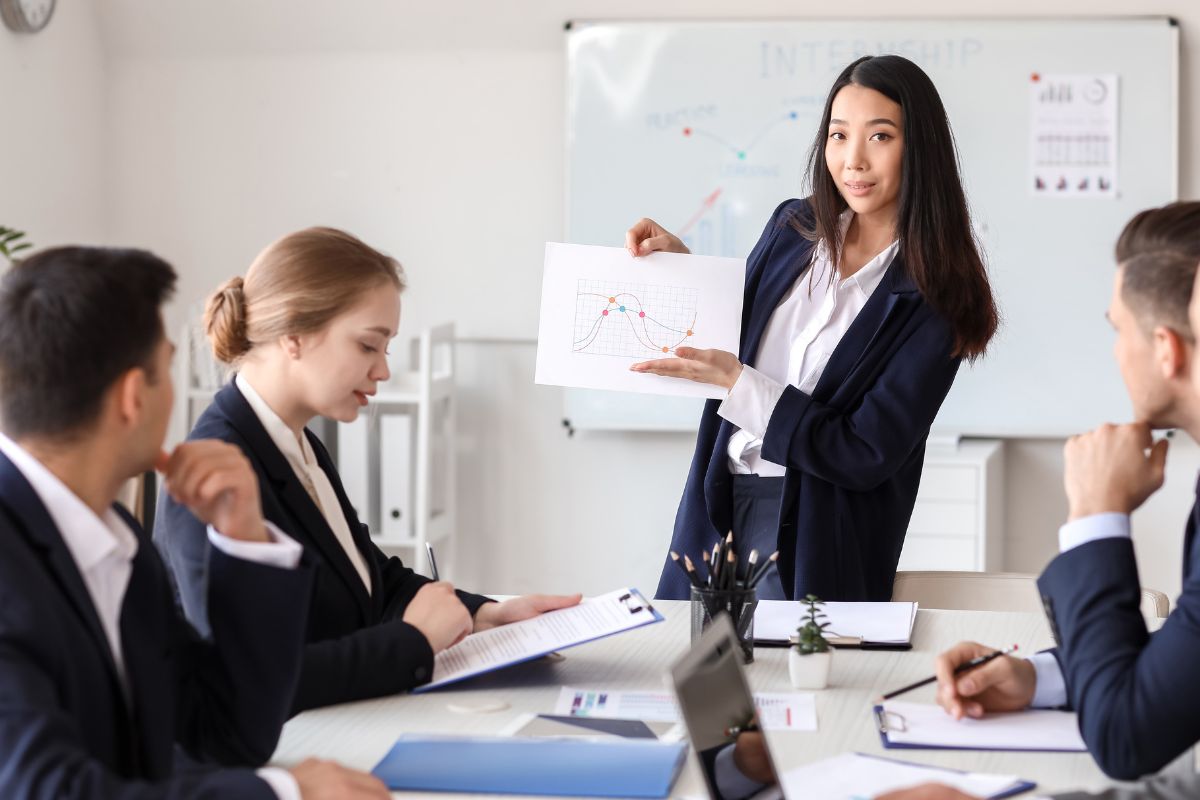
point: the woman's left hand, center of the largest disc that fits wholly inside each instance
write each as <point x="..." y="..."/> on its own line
<point x="717" y="367"/>
<point x="515" y="609"/>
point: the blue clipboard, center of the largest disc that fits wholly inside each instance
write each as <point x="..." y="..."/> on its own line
<point x="1019" y="787"/>
<point x="633" y="600"/>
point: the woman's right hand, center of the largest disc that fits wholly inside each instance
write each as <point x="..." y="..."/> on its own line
<point x="647" y="236"/>
<point x="439" y="615"/>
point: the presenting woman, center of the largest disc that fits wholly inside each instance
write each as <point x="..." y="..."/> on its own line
<point x="307" y="330"/>
<point x="861" y="301"/>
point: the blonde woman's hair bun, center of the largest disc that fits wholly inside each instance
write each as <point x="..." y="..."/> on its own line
<point x="225" y="321"/>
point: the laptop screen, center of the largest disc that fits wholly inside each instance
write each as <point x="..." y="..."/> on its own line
<point x="718" y="711"/>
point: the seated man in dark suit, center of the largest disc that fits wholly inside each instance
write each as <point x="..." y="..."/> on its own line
<point x="1138" y="706"/>
<point x="100" y="679"/>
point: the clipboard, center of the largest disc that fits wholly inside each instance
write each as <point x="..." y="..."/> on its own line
<point x="490" y="650"/>
<point x="1019" y="786"/>
<point x="857" y="625"/>
<point x="838" y="642"/>
<point x="889" y="721"/>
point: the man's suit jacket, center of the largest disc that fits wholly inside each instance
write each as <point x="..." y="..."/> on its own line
<point x="67" y="729"/>
<point x="853" y="449"/>
<point x="1136" y="695"/>
<point x="1161" y="787"/>
<point x="358" y="645"/>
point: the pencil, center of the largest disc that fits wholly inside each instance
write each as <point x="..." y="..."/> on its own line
<point x="750" y="562"/>
<point x="680" y="564"/>
<point x="691" y="571"/>
<point x="762" y="569"/>
<point x="963" y="667"/>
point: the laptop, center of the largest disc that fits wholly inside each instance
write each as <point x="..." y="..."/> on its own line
<point x="717" y="708"/>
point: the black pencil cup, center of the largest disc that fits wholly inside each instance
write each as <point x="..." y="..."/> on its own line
<point x="739" y="604"/>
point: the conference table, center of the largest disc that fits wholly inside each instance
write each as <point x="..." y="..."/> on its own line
<point x="360" y="734"/>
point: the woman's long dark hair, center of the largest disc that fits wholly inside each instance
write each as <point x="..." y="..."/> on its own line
<point x="933" y="223"/>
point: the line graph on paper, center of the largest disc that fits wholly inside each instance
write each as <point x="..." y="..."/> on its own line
<point x="632" y="320"/>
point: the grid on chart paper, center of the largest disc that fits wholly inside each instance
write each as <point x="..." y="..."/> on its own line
<point x="632" y="320"/>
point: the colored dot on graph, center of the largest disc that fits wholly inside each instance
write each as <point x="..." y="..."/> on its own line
<point x="605" y="312"/>
<point x="793" y="115"/>
<point x="742" y="154"/>
<point x="687" y="131"/>
<point x="641" y="313"/>
<point x="666" y="350"/>
<point x="689" y="333"/>
<point x="622" y="309"/>
<point x="612" y="299"/>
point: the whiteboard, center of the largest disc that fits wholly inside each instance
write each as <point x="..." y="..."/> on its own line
<point x="704" y="126"/>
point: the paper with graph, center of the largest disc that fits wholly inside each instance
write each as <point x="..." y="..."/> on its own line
<point x="603" y="310"/>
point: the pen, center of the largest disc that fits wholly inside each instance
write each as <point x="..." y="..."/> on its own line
<point x="963" y="667"/>
<point x="433" y="570"/>
<point x="716" y="565"/>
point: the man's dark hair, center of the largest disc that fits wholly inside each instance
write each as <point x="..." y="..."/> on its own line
<point x="73" y="320"/>
<point x="1158" y="252"/>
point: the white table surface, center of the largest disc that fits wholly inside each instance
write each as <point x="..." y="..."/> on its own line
<point x="360" y="734"/>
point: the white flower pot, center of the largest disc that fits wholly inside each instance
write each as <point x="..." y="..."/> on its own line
<point x="809" y="671"/>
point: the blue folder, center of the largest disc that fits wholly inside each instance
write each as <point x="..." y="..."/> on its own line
<point x="501" y="765"/>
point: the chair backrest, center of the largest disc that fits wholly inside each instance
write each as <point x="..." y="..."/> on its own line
<point x="995" y="591"/>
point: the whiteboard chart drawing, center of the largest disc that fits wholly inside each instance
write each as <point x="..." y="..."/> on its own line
<point x="603" y="311"/>
<point x="635" y="320"/>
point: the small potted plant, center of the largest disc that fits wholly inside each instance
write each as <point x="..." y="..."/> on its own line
<point x="810" y="655"/>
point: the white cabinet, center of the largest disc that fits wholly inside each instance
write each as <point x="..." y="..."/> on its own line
<point x="958" y="520"/>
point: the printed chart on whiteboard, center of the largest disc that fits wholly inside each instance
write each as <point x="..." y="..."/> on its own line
<point x="1073" y="135"/>
<point x="633" y="320"/>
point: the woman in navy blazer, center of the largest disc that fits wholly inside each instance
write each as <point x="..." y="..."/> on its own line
<point x="308" y="329"/>
<point x="860" y="303"/>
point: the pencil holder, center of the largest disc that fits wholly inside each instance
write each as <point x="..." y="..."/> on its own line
<point x="739" y="604"/>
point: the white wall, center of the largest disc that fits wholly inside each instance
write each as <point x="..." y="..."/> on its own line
<point x="53" y="135"/>
<point x="435" y="131"/>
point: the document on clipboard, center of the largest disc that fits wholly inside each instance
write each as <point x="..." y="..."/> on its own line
<point x="594" y="618"/>
<point x="925" y="726"/>
<point x="878" y="626"/>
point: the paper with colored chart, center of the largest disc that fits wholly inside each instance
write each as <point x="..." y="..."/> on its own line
<point x="603" y="310"/>
<point x="785" y="711"/>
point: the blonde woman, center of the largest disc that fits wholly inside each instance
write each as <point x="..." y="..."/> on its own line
<point x="307" y="330"/>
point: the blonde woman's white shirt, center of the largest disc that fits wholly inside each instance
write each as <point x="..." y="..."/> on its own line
<point x="303" y="461"/>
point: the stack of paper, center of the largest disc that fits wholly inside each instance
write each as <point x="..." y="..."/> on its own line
<point x="850" y="624"/>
